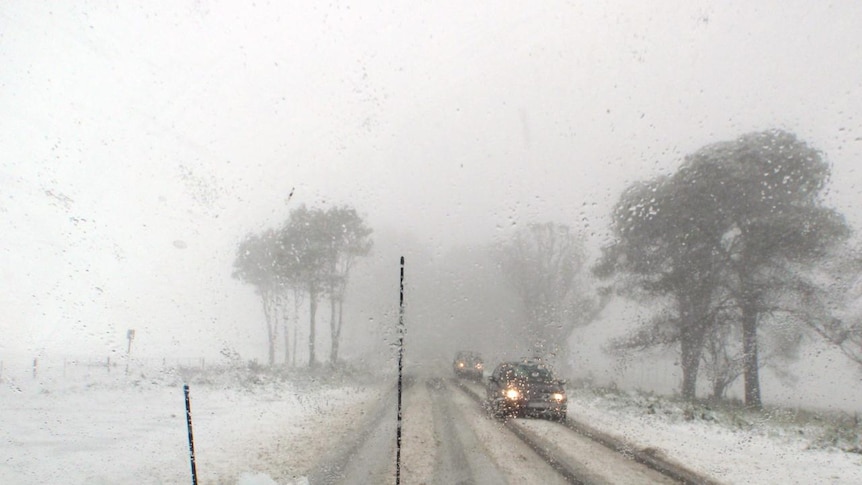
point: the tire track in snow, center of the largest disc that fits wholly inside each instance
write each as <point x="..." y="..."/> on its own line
<point x="579" y="469"/>
<point x="369" y="459"/>
<point x="462" y="459"/>
<point x="513" y="459"/>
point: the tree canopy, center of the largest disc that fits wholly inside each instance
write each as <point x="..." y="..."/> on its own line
<point x="723" y="229"/>
<point x="542" y="262"/>
<point x="313" y="253"/>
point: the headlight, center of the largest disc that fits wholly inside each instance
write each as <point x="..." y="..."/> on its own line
<point x="558" y="396"/>
<point x="460" y="364"/>
<point x="512" y="394"/>
<point x="478" y="366"/>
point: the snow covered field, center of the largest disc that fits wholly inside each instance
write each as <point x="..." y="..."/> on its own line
<point x="731" y="446"/>
<point x="114" y="429"/>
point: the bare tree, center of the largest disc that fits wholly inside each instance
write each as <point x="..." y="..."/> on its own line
<point x="542" y="262"/>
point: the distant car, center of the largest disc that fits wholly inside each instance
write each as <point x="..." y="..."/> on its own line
<point x="526" y="388"/>
<point x="469" y="365"/>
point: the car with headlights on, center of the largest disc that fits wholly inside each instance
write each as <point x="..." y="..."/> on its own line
<point x="526" y="388"/>
<point x="469" y="365"/>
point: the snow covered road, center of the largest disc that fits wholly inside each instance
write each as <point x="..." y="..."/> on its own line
<point x="449" y="439"/>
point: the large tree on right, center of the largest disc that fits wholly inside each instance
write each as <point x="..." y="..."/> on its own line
<point x="735" y="223"/>
<point x="774" y="221"/>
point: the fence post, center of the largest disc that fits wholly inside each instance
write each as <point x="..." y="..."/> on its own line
<point x="35" y="365"/>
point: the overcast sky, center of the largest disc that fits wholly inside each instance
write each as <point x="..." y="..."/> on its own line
<point x="139" y="143"/>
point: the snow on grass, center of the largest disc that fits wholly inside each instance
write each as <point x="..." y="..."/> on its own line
<point x="248" y="427"/>
<point x="728" y="443"/>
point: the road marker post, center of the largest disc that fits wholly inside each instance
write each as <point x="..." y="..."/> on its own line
<point x="191" y="436"/>
<point x="400" y="368"/>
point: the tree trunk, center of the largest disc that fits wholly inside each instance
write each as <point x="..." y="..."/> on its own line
<point x="286" y="344"/>
<point x="336" y="333"/>
<point x="333" y="338"/>
<point x="534" y="332"/>
<point x="338" y="328"/>
<point x="296" y="304"/>
<point x="295" y="337"/>
<point x="281" y="309"/>
<point x="749" y="356"/>
<point x="312" y="297"/>
<point x="690" y="349"/>
<point x="692" y="334"/>
<point x="719" y="386"/>
<point x="271" y="347"/>
<point x="268" y="317"/>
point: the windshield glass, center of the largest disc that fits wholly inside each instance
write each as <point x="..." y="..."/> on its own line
<point x="533" y="373"/>
<point x="247" y="242"/>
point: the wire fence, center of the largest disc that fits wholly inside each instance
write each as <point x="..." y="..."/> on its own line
<point x="659" y="376"/>
<point x="82" y="367"/>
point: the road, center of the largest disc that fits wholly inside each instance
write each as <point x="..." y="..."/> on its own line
<point x="449" y="439"/>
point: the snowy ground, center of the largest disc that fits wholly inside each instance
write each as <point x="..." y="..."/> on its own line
<point x="254" y="428"/>
<point x="248" y="428"/>
<point x="727" y="444"/>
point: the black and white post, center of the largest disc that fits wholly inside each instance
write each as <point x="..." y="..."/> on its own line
<point x="400" y="367"/>
<point x="191" y="436"/>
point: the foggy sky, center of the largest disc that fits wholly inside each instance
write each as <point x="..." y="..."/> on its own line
<point x="140" y="143"/>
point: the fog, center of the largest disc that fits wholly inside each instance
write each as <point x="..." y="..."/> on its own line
<point x="141" y="143"/>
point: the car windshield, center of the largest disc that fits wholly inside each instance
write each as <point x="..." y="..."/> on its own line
<point x="292" y="242"/>
<point x="532" y="373"/>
